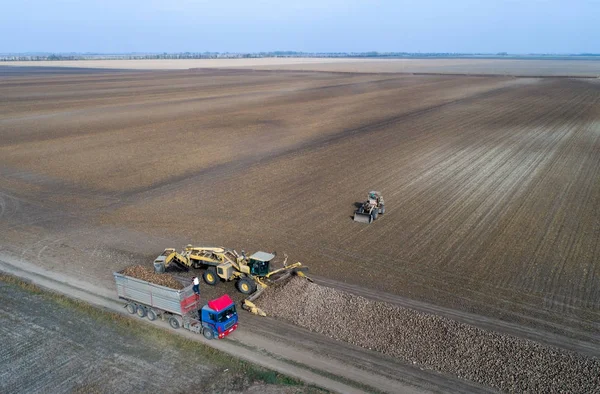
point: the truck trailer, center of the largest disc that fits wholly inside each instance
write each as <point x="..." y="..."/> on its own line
<point x="181" y="308"/>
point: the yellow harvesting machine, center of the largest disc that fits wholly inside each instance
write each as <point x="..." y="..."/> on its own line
<point x="252" y="274"/>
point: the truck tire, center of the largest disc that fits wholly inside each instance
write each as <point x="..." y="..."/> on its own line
<point x="375" y="212"/>
<point x="210" y="276"/>
<point x="173" y="322"/>
<point x="370" y="219"/>
<point x="208" y="333"/>
<point x="131" y="308"/>
<point x="246" y="286"/>
<point x="141" y="311"/>
<point x="382" y="209"/>
<point x="151" y="315"/>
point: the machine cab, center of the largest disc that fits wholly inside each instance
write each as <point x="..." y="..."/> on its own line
<point x="374" y="197"/>
<point x="220" y="315"/>
<point x="259" y="263"/>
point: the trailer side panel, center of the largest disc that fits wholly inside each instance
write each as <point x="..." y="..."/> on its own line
<point x="178" y="302"/>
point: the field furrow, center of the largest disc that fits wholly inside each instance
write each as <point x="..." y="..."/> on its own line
<point x="491" y="183"/>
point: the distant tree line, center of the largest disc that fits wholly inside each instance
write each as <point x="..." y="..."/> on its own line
<point x="228" y="55"/>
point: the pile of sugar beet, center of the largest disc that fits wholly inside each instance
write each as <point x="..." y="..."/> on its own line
<point x="148" y="274"/>
<point x="497" y="360"/>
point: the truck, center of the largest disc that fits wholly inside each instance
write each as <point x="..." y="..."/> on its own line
<point x="181" y="308"/>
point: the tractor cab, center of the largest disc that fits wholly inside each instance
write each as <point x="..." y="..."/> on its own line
<point x="374" y="197"/>
<point x="259" y="263"/>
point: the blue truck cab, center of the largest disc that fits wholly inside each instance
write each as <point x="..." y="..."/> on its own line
<point x="219" y="318"/>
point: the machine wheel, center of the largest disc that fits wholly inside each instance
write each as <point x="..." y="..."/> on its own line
<point x="151" y="315"/>
<point x="382" y="210"/>
<point x="370" y="219"/>
<point x="141" y="311"/>
<point x="173" y="322"/>
<point x="208" y="333"/>
<point x="131" y="308"/>
<point x="375" y="212"/>
<point x="210" y="276"/>
<point x="246" y="286"/>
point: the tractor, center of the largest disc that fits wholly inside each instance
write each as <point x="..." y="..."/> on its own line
<point x="370" y="209"/>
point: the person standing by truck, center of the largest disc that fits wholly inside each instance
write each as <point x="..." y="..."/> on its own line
<point x="196" y="283"/>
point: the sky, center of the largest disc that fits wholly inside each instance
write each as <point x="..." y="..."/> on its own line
<point x="467" y="26"/>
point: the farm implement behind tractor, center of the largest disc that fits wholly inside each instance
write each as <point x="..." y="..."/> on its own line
<point x="252" y="274"/>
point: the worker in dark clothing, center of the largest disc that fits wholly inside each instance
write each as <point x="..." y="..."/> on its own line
<point x="196" y="282"/>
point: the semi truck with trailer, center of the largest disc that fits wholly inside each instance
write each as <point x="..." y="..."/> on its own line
<point x="181" y="308"/>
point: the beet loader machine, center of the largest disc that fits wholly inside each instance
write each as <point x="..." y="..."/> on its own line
<point x="370" y="209"/>
<point x="252" y="274"/>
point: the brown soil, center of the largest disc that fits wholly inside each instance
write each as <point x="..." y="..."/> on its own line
<point x="490" y="183"/>
<point x="530" y="67"/>
<point x="147" y="274"/>
<point x="51" y="347"/>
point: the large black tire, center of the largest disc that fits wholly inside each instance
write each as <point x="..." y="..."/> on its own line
<point x="131" y="308"/>
<point x="210" y="276"/>
<point x="141" y="311"/>
<point x="173" y="322"/>
<point x="208" y="333"/>
<point x="375" y="212"/>
<point x="370" y="219"/>
<point x="151" y="315"/>
<point x="246" y="286"/>
<point x="382" y="209"/>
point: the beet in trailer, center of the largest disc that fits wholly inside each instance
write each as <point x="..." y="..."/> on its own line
<point x="181" y="308"/>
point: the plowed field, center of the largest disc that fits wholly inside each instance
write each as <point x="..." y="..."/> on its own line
<point x="491" y="184"/>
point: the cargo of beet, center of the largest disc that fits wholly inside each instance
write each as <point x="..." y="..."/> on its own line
<point x="181" y="308"/>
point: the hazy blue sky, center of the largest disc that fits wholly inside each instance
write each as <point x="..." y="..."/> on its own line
<point x="525" y="26"/>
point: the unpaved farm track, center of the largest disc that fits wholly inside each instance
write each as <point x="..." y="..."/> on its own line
<point x="491" y="184"/>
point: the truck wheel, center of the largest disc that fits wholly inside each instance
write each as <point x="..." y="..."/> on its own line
<point x="151" y="315"/>
<point x="210" y="276"/>
<point x="131" y="308"/>
<point x="208" y="333"/>
<point x="246" y="286"/>
<point x="370" y="219"/>
<point x="374" y="213"/>
<point x="173" y="322"/>
<point x="141" y="311"/>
